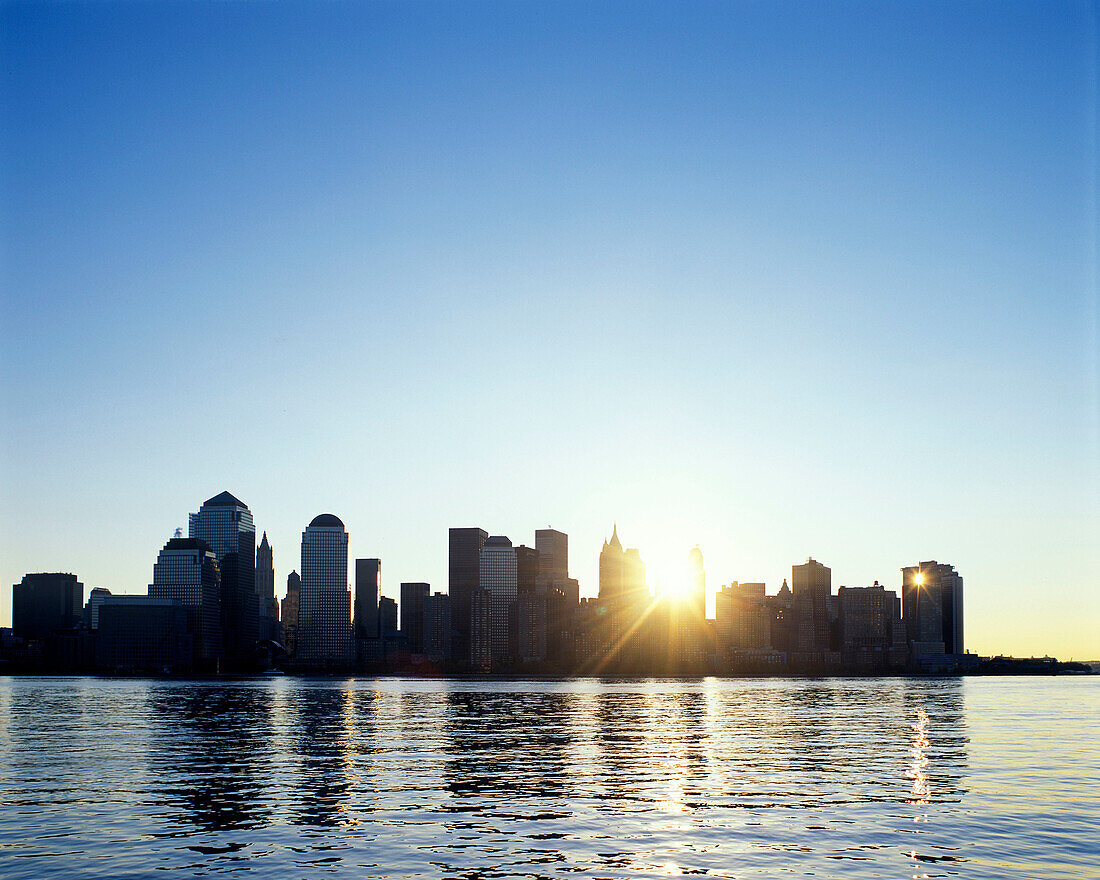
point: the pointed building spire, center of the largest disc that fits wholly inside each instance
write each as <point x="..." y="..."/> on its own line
<point x="615" y="537"/>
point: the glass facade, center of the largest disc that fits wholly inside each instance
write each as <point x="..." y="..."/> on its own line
<point x="324" y="616"/>
<point x="498" y="579"/>
<point x="187" y="570"/>
<point x="225" y="524"/>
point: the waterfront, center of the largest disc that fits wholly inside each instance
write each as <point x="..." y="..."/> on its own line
<point x="283" y="777"/>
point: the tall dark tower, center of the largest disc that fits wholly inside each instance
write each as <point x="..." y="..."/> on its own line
<point x="368" y="588"/>
<point x="611" y="566"/>
<point x="225" y="524"/>
<point x="932" y="608"/>
<point x="463" y="578"/>
<point x="265" y="591"/>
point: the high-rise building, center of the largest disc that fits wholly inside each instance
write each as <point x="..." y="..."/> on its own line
<point x="867" y="618"/>
<point x="437" y="627"/>
<point x="387" y="616"/>
<point x="743" y="622"/>
<point x="498" y="578"/>
<point x="265" y="591"/>
<point x="324" y="616"/>
<point x="186" y="570"/>
<point x="368" y="587"/>
<point x="527" y="569"/>
<point x="463" y="576"/>
<point x="413" y="597"/>
<point x="45" y="602"/>
<point x="697" y="593"/>
<point x="812" y="585"/>
<point x="529" y="626"/>
<point x="91" y="607"/>
<point x="225" y="524"/>
<point x="932" y="608"/>
<point x="611" y="566"/>
<point x="289" y="616"/>
<point x="481" y="633"/>
<point x="553" y="550"/>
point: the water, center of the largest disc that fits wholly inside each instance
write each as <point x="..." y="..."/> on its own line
<point x="736" y="778"/>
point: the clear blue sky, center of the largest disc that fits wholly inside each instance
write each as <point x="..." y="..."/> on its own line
<point x="779" y="279"/>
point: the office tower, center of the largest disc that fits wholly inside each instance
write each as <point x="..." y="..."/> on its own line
<point x="867" y="618"/>
<point x="413" y="597"/>
<point x="481" y="635"/>
<point x="812" y="585"/>
<point x="463" y="575"/>
<point x="387" y="616"/>
<point x="143" y="634"/>
<point x="225" y="524"/>
<point x="932" y="608"/>
<point x="743" y="621"/>
<point x="91" y="607"/>
<point x="553" y="550"/>
<point x="611" y="566"/>
<point x="498" y="578"/>
<point x="527" y="569"/>
<point x="289" y="616"/>
<point x="368" y="587"/>
<point x="324" y="615"/>
<point x="437" y="627"/>
<point x="529" y="626"/>
<point x="44" y="602"/>
<point x="186" y="570"/>
<point x="265" y="591"/>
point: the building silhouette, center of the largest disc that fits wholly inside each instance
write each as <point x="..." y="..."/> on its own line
<point x="265" y="591"/>
<point x="932" y="608"/>
<point x="872" y="637"/>
<point x="463" y="577"/>
<point x="527" y="569"/>
<point x="45" y="602"/>
<point x="186" y="571"/>
<point x="413" y="597"/>
<point x="811" y="585"/>
<point x="498" y="578"/>
<point x="289" y="615"/>
<point x="91" y="607"/>
<point x="368" y="588"/>
<point x="324" y="617"/>
<point x="143" y="634"/>
<point x="437" y="627"/>
<point x="225" y="523"/>
<point x="387" y="617"/>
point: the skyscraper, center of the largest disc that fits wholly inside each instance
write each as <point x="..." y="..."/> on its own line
<point x="187" y="570"/>
<point x="413" y="597"/>
<point x="611" y="566"/>
<point x="437" y="627"/>
<point x="45" y="602"/>
<point x="932" y="608"/>
<point x="368" y="587"/>
<point x="289" y="616"/>
<point x="553" y="549"/>
<point x="463" y="574"/>
<point x="497" y="577"/>
<point x="324" y="617"/>
<point x="527" y="569"/>
<point x="265" y="591"/>
<point x="812" y="584"/>
<point x="225" y="524"/>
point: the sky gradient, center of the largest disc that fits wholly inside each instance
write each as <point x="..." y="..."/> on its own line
<point x="776" y="279"/>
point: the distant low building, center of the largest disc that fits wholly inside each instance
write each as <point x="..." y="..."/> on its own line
<point x="45" y="602"/>
<point x="143" y="634"/>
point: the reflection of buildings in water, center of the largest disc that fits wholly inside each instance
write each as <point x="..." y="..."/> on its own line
<point x="507" y="745"/>
<point x="214" y="758"/>
<point x="324" y="738"/>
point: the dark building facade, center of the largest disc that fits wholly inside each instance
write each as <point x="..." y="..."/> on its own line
<point x="45" y="602"/>
<point x="368" y="588"/>
<point x="289" y="615"/>
<point x="437" y="627"/>
<point x="413" y="597"/>
<point x="932" y="609"/>
<point x="387" y="617"/>
<point x="142" y="634"/>
<point x="225" y="523"/>
<point x="463" y="578"/>
<point x="265" y="591"/>
<point x="186" y="570"/>
<point x="527" y="569"/>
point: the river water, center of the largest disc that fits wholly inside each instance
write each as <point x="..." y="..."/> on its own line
<point x="463" y="778"/>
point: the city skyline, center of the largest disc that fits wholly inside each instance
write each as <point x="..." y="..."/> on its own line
<point x="620" y="579"/>
<point x="776" y="283"/>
